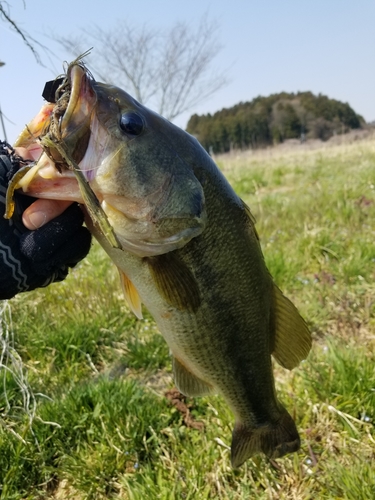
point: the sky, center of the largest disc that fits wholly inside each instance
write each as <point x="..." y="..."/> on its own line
<point x="268" y="46"/>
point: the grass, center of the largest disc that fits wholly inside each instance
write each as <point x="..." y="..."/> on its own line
<point x="85" y="415"/>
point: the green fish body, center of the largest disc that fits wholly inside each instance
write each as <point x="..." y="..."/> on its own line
<point x="188" y="250"/>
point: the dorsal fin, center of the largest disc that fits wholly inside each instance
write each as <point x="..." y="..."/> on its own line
<point x="292" y="338"/>
<point x="131" y="294"/>
<point x="250" y="217"/>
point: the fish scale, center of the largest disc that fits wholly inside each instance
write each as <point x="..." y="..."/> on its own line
<point x="230" y="322"/>
<point x="187" y="248"/>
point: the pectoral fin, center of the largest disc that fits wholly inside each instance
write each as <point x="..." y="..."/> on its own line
<point x="131" y="295"/>
<point x="175" y="282"/>
<point x="292" y="338"/>
<point x="187" y="383"/>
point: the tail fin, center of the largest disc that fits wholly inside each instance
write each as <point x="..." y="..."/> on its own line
<point x="274" y="440"/>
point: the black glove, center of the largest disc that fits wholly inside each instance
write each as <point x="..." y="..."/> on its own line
<point x="33" y="259"/>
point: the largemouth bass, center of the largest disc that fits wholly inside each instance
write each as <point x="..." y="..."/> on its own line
<point x="186" y="247"/>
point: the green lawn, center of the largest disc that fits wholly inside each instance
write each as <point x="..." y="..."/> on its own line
<point x="83" y="409"/>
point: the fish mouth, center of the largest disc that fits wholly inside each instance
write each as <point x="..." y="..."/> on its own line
<point x="66" y="120"/>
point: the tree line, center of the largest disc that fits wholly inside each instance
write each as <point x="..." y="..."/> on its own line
<point x="273" y="119"/>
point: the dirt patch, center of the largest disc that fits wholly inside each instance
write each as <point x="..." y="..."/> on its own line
<point x="178" y="400"/>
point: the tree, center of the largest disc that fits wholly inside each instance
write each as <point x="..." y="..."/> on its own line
<point x="29" y="40"/>
<point x="169" y="70"/>
<point x="272" y="119"/>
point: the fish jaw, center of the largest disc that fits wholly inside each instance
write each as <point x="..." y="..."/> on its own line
<point x="59" y="187"/>
<point x="27" y="138"/>
<point x="74" y="126"/>
<point x="45" y="181"/>
<point x="68" y="122"/>
<point x="81" y="103"/>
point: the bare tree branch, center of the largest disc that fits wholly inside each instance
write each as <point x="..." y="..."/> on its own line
<point x="123" y="54"/>
<point x="187" y="80"/>
<point x="168" y="70"/>
<point x="28" y="39"/>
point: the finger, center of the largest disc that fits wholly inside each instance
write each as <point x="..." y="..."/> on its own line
<point x="42" y="211"/>
<point x="21" y="151"/>
<point x="32" y="152"/>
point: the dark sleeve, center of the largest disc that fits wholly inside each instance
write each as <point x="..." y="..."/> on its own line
<point x="33" y="259"/>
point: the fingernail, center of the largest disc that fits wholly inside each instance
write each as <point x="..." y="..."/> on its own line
<point x="37" y="219"/>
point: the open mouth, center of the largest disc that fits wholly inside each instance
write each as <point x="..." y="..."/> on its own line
<point x="60" y="133"/>
<point x="49" y="176"/>
<point x="65" y="118"/>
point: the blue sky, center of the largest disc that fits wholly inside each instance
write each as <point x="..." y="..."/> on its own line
<point x="269" y="46"/>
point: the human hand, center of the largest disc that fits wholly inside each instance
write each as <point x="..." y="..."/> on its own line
<point x="40" y="211"/>
<point x="32" y="259"/>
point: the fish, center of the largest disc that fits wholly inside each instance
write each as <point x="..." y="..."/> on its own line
<point x="186" y="247"/>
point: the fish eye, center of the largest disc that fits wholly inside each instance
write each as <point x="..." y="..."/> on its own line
<point x="131" y="123"/>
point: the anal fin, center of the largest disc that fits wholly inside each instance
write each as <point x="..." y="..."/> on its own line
<point x="292" y="338"/>
<point x="188" y="383"/>
<point x="274" y="440"/>
<point x="131" y="294"/>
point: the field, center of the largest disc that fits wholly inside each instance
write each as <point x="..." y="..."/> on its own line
<point x="87" y="408"/>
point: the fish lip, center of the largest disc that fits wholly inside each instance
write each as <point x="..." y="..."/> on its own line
<point x="34" y="128"/>
<point x="81" y="103"/>
<point x="71" y="126"/>
<point x="66" y="123"/>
